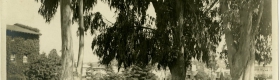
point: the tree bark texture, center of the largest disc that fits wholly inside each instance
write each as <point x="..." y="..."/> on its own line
<point x="81" y="42"/>
<point x="178" y="69"/>
<point x="67" y="49"/>
<point x="241" y="56"/>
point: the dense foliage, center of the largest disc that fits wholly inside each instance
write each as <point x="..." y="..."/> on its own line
<point x="261" y="26"/>
<point x="213" y="65"/>
<point x="191" y="24"/>
<point x="45" y="67"/>
<point x="139" y="73"/>
<point x="131" y="73"/>
<point x="20" y="47"/>
<point x="247" y="30"/>
<point x="48" y="9"/>
<point x="127" y="40"/>
<point x="201" y="70"/>
<point x="132" y="40"/>
<point x="161" y="45"/>
<point x="201" y="75"/>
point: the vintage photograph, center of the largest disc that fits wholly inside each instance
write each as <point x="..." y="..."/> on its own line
<point x="139" y="40"/>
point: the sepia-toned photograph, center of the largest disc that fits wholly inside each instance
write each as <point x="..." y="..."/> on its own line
<point x="139" y="40"/>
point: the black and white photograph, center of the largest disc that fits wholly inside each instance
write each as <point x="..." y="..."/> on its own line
<point x="139" y="40"/>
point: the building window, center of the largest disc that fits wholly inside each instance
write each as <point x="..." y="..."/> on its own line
<point x="24" y="59"/>
<point x="13" y="57"/>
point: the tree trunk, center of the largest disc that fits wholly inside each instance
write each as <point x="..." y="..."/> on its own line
<point x="81" y="43"/>
<point x="67" y="49"/>
<point x="241" y="61"/>
<point x="241" y="56"/>
<point x="178" y="69"/>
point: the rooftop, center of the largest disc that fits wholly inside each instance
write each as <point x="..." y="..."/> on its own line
<point x="23" y="28"/>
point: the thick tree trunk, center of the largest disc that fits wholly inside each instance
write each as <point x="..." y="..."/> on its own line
<point x="67" y="49"/>
<point x="81" y="43"/>
<point x="241" y="60"/>
<point x="241" y="56"/>
<point x="178" y="69"/>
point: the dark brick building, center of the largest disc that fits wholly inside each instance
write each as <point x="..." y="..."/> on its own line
<point x="22" y="45"/>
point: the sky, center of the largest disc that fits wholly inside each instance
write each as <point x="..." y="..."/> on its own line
<point x="26" y="12"/>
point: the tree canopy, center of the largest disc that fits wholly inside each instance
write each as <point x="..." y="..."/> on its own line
<point x="204" y="24"/>
<point x="246" y="23"/>
<point x="197" y="26"/>
<point x="132" y="39"/>
<point x="48" y="9"/>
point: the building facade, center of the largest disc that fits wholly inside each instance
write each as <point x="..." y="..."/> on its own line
<point x="22" y="44"/>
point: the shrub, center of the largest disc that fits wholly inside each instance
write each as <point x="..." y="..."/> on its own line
<point x="45" y="67"/>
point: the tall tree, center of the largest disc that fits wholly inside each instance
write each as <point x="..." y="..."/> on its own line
<point x="244" y="22"/>
<point x="81" y="40"/>
<point x="67" y="49"/>
<point x="48" y="9"/>
<point x="201" y="33"/>
<point x="178" y="35"/>
<point x="82" y="8"/>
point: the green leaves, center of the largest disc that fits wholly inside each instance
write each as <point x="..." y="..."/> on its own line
<point x="48" y="9"/>
<point x="87" y="9"/>
<point x="45" y="67"/>
<point x="263" y="49"/>
<point x="131" y="42"/>
<point x="19" y="46"/>
<point x="141" y="73"/>
<point x="261" y="31"/>
<point x="126" y="40"/>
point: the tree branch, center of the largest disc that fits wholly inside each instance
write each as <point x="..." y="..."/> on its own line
<point x="156" y="5"/>
<point x="144" y="27"/>
<point x="211" y="6"/>
<point x="257" y="25"/>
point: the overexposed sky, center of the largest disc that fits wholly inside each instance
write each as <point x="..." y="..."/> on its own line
<point x="26" y="12"/>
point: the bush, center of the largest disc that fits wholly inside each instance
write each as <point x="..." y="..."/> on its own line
<point x="201" y="76"/>
<point x="139" y="73"/>
<point x="132" y="73"/>
<point x="45" y="67"/>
